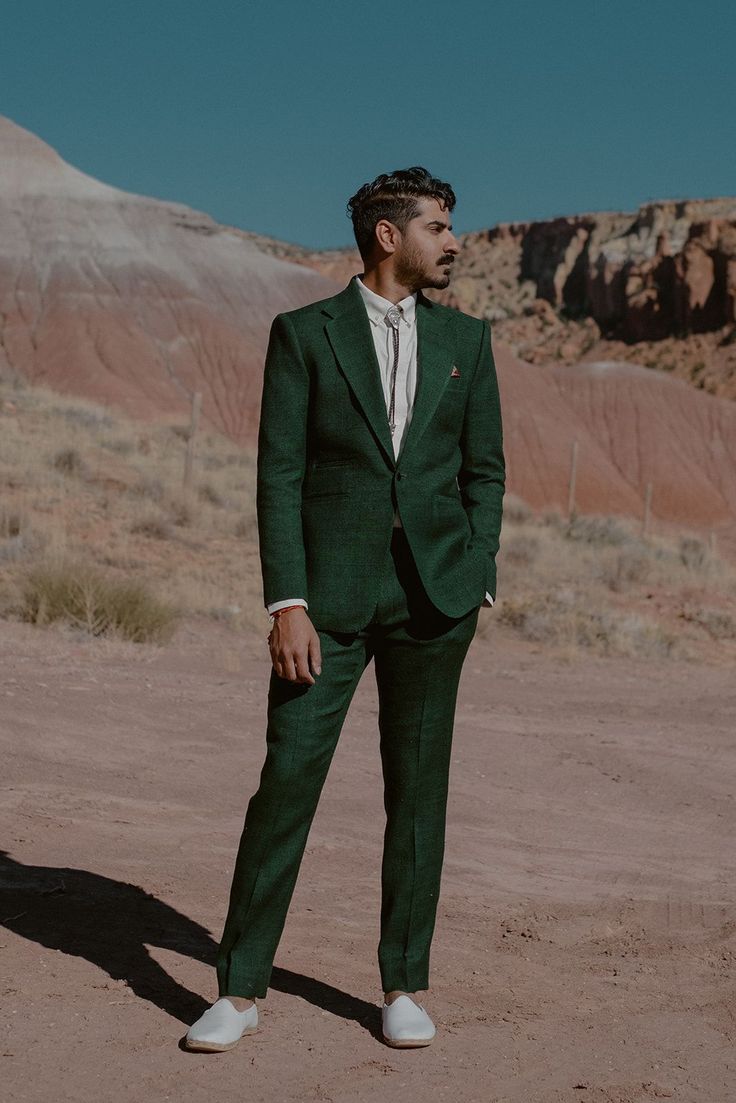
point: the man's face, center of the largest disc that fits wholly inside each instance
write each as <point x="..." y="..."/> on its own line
<point x="427" y="249"/>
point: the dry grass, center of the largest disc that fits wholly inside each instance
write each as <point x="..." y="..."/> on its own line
<point x="93" y="489"/>
<point x="85" y="598"/>
<point x="595" y="583"/>
<point x="102" y="495"/>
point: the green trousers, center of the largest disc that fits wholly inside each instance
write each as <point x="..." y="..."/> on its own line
<point x="418" y="654"/>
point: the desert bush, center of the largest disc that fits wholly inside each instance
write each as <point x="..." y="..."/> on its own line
<point x="693" y="552"/>
<point x="552" y="518"/>
<point x="154" y="526"/>
<point x="180" y="511"/>
<point x="12" y="522"/>
<point x="86" y="418"/>
<point x="564" y="618"/>
<point x="21" y="546"/>
<point x="593" y="529"/>
<point x="68" y="461"/>
<point x="515" y="509"/>
<point x="120" y="445"/>
<point x="148" y="487"/>
<point x="77" y="593"/>
<point x="718" y="623"/>
<point x="630" y="565"/>
<point x="520" y="548"/>
<point x="209" y="493"/>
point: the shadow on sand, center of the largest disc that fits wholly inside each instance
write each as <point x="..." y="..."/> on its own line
<point x="111" y="924"/>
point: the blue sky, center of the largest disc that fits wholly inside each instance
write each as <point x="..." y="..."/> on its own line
<point x="269" y="116"/>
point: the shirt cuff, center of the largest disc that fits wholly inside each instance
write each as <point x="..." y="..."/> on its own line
<point x="282" y="604"/>
<point x="488" y="600"/>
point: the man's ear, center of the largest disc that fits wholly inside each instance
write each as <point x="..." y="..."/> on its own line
<point x="387" y="235"/>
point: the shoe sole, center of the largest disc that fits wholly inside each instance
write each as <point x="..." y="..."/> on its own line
<point x="408" y="1043"/>
<point x="216" y="1047"/>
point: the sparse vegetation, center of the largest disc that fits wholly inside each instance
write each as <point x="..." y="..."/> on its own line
<point x="588" y="583"/>
<point x="80" y="595"/>
<point x="104" y="496"/>
<point x="68" y="461"/>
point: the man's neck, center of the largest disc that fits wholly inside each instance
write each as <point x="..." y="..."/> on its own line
<point x="385" y="284"/>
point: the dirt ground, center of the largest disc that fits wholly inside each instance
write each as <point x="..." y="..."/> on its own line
<point x="586" y="933"/>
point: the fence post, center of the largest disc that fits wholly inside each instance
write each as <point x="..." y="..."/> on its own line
<point x="647" y="510"/>
<point x="571" y="483"/>
<point x="193" y="426"/>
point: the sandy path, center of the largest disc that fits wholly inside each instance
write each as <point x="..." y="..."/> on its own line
<point x="586" y="933"/>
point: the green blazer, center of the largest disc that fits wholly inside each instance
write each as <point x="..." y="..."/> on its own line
<point x="327" y="479"/>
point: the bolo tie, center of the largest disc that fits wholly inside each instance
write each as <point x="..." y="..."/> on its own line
<point x="392" y="318"/>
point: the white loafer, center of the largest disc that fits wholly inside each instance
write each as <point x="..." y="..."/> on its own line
<point x="221" y="1027"/>
<point x="406" y="1023"/>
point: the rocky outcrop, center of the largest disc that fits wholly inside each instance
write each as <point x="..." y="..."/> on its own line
<point x="657" y="287"/>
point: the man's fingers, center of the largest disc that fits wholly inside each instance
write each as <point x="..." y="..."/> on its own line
<point x="302" y="670"/>
<point x="315" y="653"/>
<point x="293" y="653"/>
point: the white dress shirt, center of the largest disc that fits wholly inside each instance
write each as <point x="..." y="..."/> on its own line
<point x="406" y="377"/>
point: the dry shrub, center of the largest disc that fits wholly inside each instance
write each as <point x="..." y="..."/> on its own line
<point x="12" y="522"/>
<point x="209" y="493"/>
<point x="68" y="461"/>
<point x="120" y="445"/>
<point x="630" y="565"/>
<point x="77" y="593"/>
<point x="154" y="526"/>
<point x="180" y="511"/>
<point x="718" y="623"/>
<point x="88" y="417"/>
<point x="515" y="509"/>
<point x="521" y="548"/>
<point x="593" y="529"/>
<point x="563" y="618"/>
<point x="148" y="487"/>
<point x="693" y="552"/>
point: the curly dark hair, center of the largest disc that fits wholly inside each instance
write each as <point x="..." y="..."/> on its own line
<point x="393" y="195"/>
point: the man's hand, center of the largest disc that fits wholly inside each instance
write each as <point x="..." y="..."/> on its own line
<point x="294" y="645"/>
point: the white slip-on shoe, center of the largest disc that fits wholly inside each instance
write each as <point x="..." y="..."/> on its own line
<point x="221" y="1027"/>
<point x="406" y="1023"/>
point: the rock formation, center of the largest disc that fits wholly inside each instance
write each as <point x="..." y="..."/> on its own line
<point x="130" y="300"/>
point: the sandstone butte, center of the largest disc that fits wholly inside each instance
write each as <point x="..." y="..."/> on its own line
<point x="138" y="302"/>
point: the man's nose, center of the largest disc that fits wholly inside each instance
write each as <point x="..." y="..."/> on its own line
<point x="452" y="245"/>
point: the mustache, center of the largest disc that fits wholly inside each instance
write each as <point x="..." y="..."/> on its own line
<point x="446" y="260"/>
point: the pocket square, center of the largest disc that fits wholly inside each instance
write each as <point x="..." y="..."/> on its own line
<point x="454" y="374"/>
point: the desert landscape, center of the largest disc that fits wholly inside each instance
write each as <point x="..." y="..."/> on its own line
<point x="586" y="931"/>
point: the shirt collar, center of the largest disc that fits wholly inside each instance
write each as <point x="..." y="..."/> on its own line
<point x="376" y="306"/>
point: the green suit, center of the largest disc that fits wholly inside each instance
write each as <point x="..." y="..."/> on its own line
<point x="406" y="598"/>
<point x="328" y="482"/>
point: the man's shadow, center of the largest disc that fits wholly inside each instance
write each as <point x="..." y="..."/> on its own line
<point x="111" y="924"/>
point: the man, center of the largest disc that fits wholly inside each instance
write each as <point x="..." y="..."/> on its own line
<point x="379" y="498"/>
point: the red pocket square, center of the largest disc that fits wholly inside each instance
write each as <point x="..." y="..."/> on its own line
<point x="454" y="374"/>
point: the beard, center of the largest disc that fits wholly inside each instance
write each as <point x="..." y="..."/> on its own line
<point x="413" y="270"/>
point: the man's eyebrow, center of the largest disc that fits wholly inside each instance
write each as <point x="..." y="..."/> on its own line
<point x="439" y="222"/>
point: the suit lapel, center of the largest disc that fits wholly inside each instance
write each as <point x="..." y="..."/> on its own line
<point x="349" y="334"/>
<point x="435" y="354"/>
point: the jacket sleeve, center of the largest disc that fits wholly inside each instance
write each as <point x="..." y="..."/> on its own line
<point x="482" y="476"/>
<point x="281" y="465"/>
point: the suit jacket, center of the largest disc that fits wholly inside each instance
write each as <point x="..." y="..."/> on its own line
<point x="327" y="479"/>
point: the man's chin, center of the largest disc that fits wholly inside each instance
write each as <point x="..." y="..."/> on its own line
<point x="440" y="282"/>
